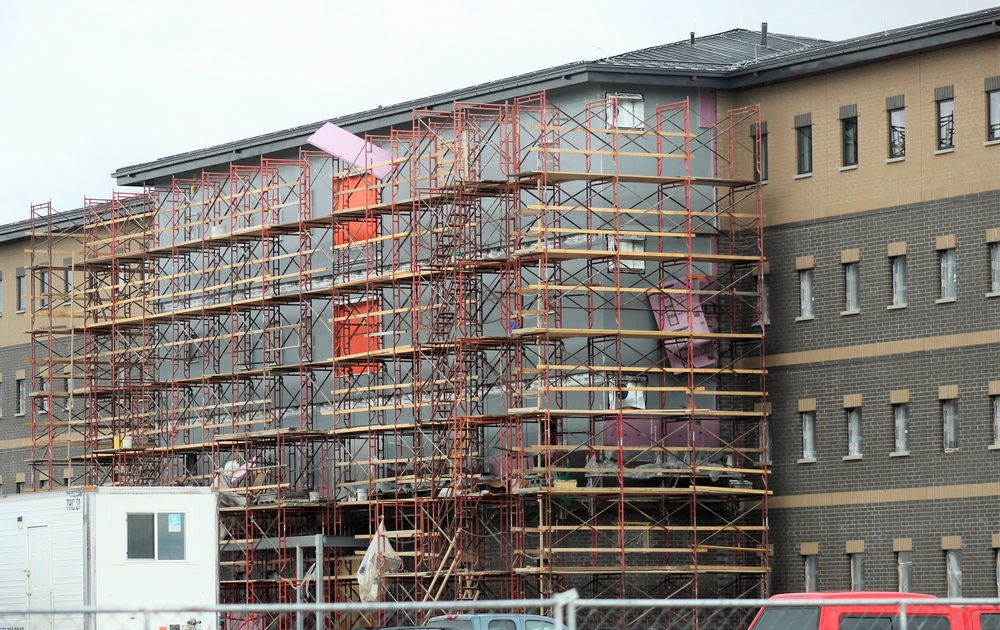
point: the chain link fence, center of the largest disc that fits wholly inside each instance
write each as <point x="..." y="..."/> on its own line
<point x="563" y="612"/>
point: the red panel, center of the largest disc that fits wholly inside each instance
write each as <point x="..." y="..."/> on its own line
<point x="356" y="327"/>
<point x="355" y="191"/>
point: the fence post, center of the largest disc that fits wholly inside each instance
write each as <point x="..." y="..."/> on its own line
<point x="565" y="603"/>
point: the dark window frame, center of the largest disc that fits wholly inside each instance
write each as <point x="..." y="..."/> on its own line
<point x="148" y="536"/>
<point x="803" y="150"/>
<point x="992" y="115"/>
<point x="849" y="141"/>
<point x="946" y="124"/>
<point x="897" y="133"/>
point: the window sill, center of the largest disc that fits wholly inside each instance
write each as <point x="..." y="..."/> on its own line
<point x="992" y="143"/>
<point x="895" y="159"/>
<point x="806" y="318"/>
<point x="803" y="175"/>
<point x="851" y="458"/>
<point x="899" y="454"/>
<point x="993" y="294"/>
<point x="944" y="151"/>
<point x="19" y="312"/>
<point x="852" y="167"/>
<point x="953" y="450"/>
<point x="18" y="415"/>
<point x="895" y="307"/>
<point x="806" y="460"/>
<point x="993" y="447"/>
<point x="945" y="300"/>
<point x="846" y="313"/>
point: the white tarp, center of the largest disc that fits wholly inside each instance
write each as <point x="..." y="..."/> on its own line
<point x="380" y="558"/>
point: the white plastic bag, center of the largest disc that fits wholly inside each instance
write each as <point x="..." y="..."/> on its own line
<point x="378" y="559"/>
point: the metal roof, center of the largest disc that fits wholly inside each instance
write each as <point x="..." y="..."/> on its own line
<point x="734" y="59"/>
<point x="720" y="52"/>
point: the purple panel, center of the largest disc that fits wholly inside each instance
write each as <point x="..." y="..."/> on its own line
<point x="351" y="148"/>
<point x="636" y="431"/>
<point x="672" y="316"/>
<point x="643" y="431"/>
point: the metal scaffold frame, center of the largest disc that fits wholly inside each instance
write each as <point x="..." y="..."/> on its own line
<point x="522" y="351"/>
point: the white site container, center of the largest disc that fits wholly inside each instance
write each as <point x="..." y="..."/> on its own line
<point x="123" y="547"/>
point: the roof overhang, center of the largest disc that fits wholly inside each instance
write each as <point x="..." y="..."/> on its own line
<point x="860" y="52"/>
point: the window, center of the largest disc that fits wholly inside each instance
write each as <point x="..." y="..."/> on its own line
<point x="43" y="401"/>
<point x="900" y="291"/>
<point x="806" y="296"/>
<point x="996" y="618"/>
<point x="22" y="291"/>
<point x="760" y="155"/>
<point x="897" y="133"/>
<point x="18" y="487"/>
<point x="627" y="244"/>
<point x="1" y="399"/>
<point x="949" y="418"/>
<point x="1" y="293"/>
<point x="995" y="402"/>
<point x="812" y="573"/>
<point x="157" y="536"/>
<point x="945" y="98"/>
<point x="625" y="111"/>
<point x="803" y="144"/>
<point x="68" y="278"/>
<point x="857" y="571"/>
<point x="993" y="105"/>
<point x="901" y="421"/>
<point x="904" y="571"/>
<point x="949" y="274"/>
<point x="849" y="136"/>
<point x="995" y="267"/>
<point x="946" y="124"/>
<point x="852" y="287"/>
<point x="953" y="563"/>
<point x="854" y="432"/>
<point x="44" y="288"/>
<point x="22" y="397"/>
<point x="808" y="435"/>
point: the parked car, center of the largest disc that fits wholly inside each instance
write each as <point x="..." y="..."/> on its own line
<point x="849" y="611"/>
<point x="492" y="621"/>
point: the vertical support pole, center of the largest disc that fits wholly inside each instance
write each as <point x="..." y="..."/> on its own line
<point x="320" y="580"/>
<point x="299" y="616"/>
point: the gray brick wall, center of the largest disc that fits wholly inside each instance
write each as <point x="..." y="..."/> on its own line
<point x="966" y="217"/>
<point x="12" y="426"/>
<point x="970" y="367"/>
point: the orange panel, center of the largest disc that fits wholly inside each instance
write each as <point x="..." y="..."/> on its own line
<point x="356" y="333"/>
<point x="355" y="191"/>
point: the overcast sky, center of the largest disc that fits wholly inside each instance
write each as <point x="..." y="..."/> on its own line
<point x="89" y="86"/>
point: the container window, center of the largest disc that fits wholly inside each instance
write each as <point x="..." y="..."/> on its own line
<point x="140" y="536"/>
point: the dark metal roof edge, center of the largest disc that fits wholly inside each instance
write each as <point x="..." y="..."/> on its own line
<point x="812" y="59"/>
<point x="20" y="230"/>
<point x="559" y="76"/>
<point x="359" y="118"/>
<point x="869" y="49"/>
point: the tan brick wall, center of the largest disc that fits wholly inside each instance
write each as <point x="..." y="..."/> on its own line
<point x="921" y="177"/>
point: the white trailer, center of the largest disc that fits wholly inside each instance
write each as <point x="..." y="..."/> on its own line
<point x="122" y="547"/>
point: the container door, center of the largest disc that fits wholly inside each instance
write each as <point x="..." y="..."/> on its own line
<point x="39" y="575"/>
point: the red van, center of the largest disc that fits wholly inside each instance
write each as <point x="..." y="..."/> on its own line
<point x="847" y="611"/>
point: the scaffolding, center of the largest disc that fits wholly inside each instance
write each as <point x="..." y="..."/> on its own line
<point x="524" y="345"/>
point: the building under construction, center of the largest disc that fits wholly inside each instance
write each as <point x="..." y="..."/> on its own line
<point x="518" y="342"/>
